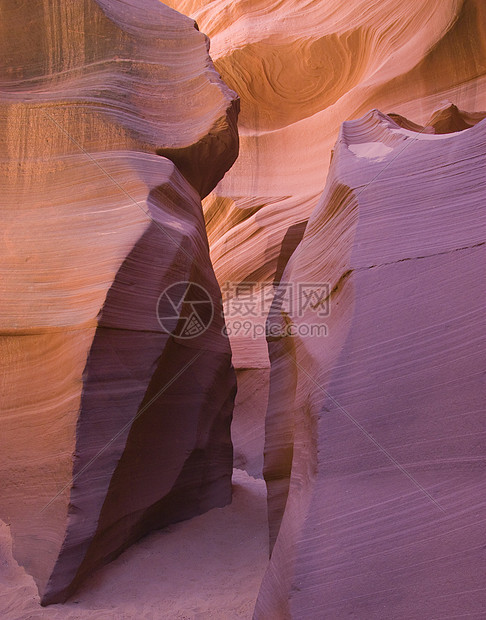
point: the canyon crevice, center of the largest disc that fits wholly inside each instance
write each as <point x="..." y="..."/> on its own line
<point x="243" y="235"/>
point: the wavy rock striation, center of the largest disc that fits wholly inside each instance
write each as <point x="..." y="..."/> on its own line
<point x="111" y="425"/>
<point x="301" y="68"/>
<point x="373" y="457"/>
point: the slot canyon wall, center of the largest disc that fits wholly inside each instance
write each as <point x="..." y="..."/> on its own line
<point x="373" y="455"/>
<point x="374" y="458"/>
<point x="111" y="424"/>
<point x="361" y="168"/>
<point x="301" y="68"/>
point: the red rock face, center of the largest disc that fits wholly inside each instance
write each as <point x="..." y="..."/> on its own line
<point x="115" y="124"/>
<point x="111" y="425"/>
<point x="373" y="456"/>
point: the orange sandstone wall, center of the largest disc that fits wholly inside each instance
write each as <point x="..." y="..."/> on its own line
<point x="111" y="426"/>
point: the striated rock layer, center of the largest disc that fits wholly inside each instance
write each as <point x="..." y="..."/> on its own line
<point x="301" y="68"/>
<point x="111" y="424"/>
<point x="248" y="426"/>
<point x="374" y="458"/>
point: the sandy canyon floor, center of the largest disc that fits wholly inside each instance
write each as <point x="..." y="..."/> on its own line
<point x="208" y="567"/>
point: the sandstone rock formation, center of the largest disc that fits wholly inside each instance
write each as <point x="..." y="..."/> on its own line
<point x="115" y="125"/>
<point x="248" y="426"/>
<point x="374" y="459"/>
<point x="111" y="425"/>
<point x="301" y="68"/>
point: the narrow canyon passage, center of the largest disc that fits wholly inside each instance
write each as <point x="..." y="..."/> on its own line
<point x="312" y="176"/>
<point x="209" y="567"/>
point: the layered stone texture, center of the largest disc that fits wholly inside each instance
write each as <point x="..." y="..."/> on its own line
<point x="374" y="458"/>
<point x="111" y="424"/>
<point x="301" y="68"/>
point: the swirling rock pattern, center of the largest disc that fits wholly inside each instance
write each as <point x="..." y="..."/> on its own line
<point x="301" y="68"/>
<point x="110" y="425"/>
<point x="373" y="459"/>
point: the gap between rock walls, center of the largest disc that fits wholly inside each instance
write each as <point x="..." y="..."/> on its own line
<point x="235" y="275"/>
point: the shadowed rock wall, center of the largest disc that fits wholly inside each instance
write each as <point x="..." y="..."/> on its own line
<point x="111" y="425"/>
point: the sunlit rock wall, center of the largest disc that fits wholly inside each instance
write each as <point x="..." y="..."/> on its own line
<point x="111" y="425"/>
<point x="301" y="68"/>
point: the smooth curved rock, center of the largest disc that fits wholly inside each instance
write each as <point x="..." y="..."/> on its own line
<point x="303" y="68"/>
<point x="373" y="458"/>
<point x="248" y="426"/>
<point x="111" y="426"/>
<point x="407" y="58"/>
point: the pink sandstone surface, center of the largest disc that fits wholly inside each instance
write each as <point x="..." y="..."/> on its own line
<point x="365" y="426"/>
<point x="374" y="452"/>
<point x="301" y="68"/>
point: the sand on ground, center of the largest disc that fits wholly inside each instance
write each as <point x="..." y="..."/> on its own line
<point x="209" y="567"/>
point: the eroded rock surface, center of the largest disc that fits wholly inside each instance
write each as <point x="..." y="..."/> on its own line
<point x="248" y="427"/>
<point x="374" y="459"/>
<point x="110" y="425"/>
<point x="301" y="68"/>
